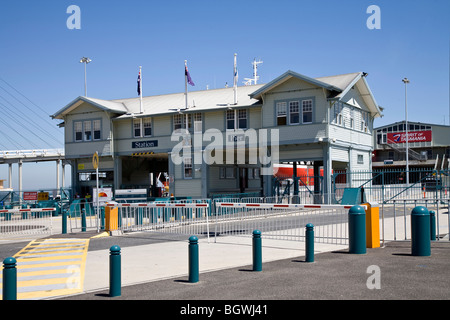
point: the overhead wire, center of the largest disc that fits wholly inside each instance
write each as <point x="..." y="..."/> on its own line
<point x="30" y="121"/>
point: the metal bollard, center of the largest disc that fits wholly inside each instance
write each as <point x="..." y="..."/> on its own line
<point x="64" y="221"/>
<point x="9" y="279"/>
<point x="357" y="230"/>
<point x="420" y="232"/>
<point x="115" y="274"/>
<point x="433" y="226"/>
<point x="83" y="220"/>
<point x="193" y="260"/>
<point x="309" y="243"/>
<point x="257" y="251"/>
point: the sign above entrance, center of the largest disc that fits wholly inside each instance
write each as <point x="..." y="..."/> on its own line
<point x="145" y="144"/>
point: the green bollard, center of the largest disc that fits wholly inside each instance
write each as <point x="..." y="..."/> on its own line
<point x="309" y="243"/>
<point x="115" y="274"/>
<point x="420" y="232"/>
<point x="193" y="260"/>
<point x="257" y="251"/>
<point x="357" y="230"/>
<point x="9" y="279"/>
<point x="64" y="222"/>
<point x="433" y="225"/>
<point x="83" y="220"/>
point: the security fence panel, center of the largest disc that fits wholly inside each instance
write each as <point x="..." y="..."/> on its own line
<point x="283" y="221"/>
<point x="183" y="218"/>
<point x="20" y="222"/>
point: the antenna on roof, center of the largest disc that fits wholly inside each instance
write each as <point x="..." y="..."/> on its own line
<point x="248" y="81"/>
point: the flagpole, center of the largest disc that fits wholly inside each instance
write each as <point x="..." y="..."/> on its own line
<point x="235" y="80"/>
<point x="140" y="74"/>
<point x="185" y="94"/>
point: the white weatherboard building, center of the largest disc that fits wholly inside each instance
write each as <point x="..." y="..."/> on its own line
<point x="325" y="121"/>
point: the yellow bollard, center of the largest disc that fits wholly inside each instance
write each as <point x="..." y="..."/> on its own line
<point x="111" y="219"/>
<point x="372" y="225"/>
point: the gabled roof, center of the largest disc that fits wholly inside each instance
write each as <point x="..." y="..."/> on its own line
<point x="112" y="106"/>
<point x="288" y="75"/>
<point x="338" y="86"/>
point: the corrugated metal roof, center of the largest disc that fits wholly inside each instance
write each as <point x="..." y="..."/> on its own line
<point x="197" y="101"/>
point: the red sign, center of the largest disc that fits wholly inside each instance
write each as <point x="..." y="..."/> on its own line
<point x="30" y="196"/>
<point x="413" y="136"/>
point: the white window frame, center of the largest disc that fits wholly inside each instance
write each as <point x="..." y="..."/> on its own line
<point x="198" y="122"/>
<point x="97" y="129"/>
<point x="78" y="129"/>
<point x="137" y="128"/>
<point x="282" y="113"/>
<point x="307" y="103"/>
<point x="294" y="105"/>
<point x="147" y="124"/>
<point x="87" y="130"/>
<point x="187" y="167"/>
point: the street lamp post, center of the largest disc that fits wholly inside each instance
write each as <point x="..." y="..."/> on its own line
<point x="85" y="61"/>
<point x="406" y="81"/>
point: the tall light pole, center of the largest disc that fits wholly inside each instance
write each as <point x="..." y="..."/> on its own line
<point x="406" y="81"/>
<point x="85" y="61"/>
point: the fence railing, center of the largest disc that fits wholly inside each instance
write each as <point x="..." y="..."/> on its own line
<point x="22" y="222"/>
<point x="283" y="221"/>
<point x="185" y="218"/>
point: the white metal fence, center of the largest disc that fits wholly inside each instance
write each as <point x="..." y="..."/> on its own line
<point x="185" y="218"/>
<point x="283" y="221"/>
<point x="279" y="221"/>
<point x="22" y="222"/>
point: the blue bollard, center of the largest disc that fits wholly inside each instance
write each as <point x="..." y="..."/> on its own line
<point x="309" y="243"/>
<point x="257" y="251"/>
<point x="9" y="279"/>
<point x="83" y="220"/>
<point x="64" y="221"/>
<point x="357" y="230"/>
<point x="193" y="260"/>
<point x="433" y="225"/>
<point x="115" y="274"/>
<point x="420" y="232"/>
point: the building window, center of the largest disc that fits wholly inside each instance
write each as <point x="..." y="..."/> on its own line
<point x="236" y="119"/>
<point x="147" y="122"/>
<point x="187" y="168"/>
<point x="87" y="130"/>
<point x="137" y="128"/>
<point x="198" y="126"/>
<point x="360" y="159"/>
<point x="294" y="112"/>
<point x="242" y="119"/>
<point x="177" y="121"/>
<point x="97" y="129"/>
<point x="78" y="127"/>
<point x="281" y="113"/>
<point x="307" y="111"/>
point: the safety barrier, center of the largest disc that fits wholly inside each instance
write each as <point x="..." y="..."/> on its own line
<point x="18" y="222"/>
<point x="396" y="218"/>
<point x="283" y="221"/>
<point x="83" y="216"/>
<point x="184" y="218"/>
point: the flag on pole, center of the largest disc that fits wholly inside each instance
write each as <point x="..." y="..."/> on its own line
<point x="139" y="83"/>
<point x="188" y="77"/>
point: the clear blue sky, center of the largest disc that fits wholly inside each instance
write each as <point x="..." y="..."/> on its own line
<point x="40" y="55"/>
